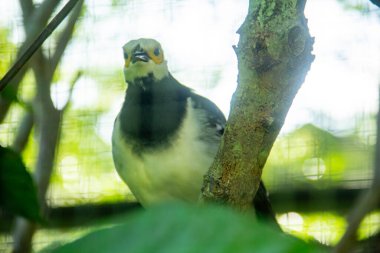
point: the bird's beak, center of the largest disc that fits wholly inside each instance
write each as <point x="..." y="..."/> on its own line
<point x="140" y="56"/>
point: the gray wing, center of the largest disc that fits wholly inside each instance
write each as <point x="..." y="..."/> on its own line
<point x="213" y="119"/>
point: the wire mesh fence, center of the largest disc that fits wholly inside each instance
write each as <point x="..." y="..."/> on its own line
<point x="314" y="157"/>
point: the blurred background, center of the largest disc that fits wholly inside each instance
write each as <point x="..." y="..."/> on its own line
<point x="320" y="163"/>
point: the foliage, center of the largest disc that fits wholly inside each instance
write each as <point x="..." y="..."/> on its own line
<point x="5" y="47"/>
<point x="359" y="5"/>
<point x="17" y="190"/>
<point x="181" y="228"/>
<point x="310" y="155"/>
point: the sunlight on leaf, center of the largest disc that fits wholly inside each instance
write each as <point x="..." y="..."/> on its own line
<point x="370" y="225"/>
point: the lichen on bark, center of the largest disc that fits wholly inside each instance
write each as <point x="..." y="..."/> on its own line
<point x="274" y="55"/>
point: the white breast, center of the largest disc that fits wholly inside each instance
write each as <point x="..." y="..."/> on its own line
<point x="172" y="173"/>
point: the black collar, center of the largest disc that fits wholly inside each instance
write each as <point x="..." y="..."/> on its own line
<point x="153" y="111"/>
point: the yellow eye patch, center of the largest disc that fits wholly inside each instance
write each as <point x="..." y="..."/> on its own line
<point x="127" y="59"/>
<point x="156" y="55"/>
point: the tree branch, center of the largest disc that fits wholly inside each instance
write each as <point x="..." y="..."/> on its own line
<point x="43" y="13"/>
<point x="27" y="8"/>
<point x="66" y="35"/>
<point x="6" y="97"/>
<point x="21" y="61"/>
<point x="47" y="138"/>
<point x="48" y="121"/>
<point x="23" y="132"/>
<point x="72" y="85"/>
<point x="274" y="55"/>
<point x="34" y="21"/>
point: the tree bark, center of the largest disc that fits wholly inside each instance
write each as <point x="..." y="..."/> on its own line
<point x="274" y="55"/>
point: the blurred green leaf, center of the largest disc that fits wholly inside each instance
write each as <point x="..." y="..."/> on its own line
<point x="9" y="93"/>
<point x="17" y="190"/>
<point x="356" y="5"/>
<point x="311" y="156"/>
<point x="178" y="228"/>
<point x="116" y="2"/>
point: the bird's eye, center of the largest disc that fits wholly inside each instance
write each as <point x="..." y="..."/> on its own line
<point x="156" y="54"/>
<point x="156" y="51"/>
<point x="126" y="55"/>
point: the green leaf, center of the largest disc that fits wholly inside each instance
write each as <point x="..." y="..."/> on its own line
<point x="17" y="190"/>
<point x="178" y="228"/>
<point x="10" y="94"/>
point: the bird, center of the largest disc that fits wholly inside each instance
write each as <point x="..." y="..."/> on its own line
<point x="376" y="2"/>
<point x="165" y="136"/>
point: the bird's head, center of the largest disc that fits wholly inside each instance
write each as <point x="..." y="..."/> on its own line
<point x="143" y="58"/>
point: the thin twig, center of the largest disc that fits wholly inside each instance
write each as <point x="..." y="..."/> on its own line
<point x="34" y="20"/>
<point x="65" y="35"/>
<point x="23" y="132"/>
<point x="48" y="120"/>
<point x="44" y="11"/>
<point x="7" y="99"/>
<point x="37" y="43"/>
<point x="72" y="85"/>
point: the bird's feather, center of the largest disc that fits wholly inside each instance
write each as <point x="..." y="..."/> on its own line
<point x="164" y="140"/>
<point x="166" y="136"/>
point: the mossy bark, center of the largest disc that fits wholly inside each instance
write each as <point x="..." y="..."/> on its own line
<point x="274" y="55"/>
